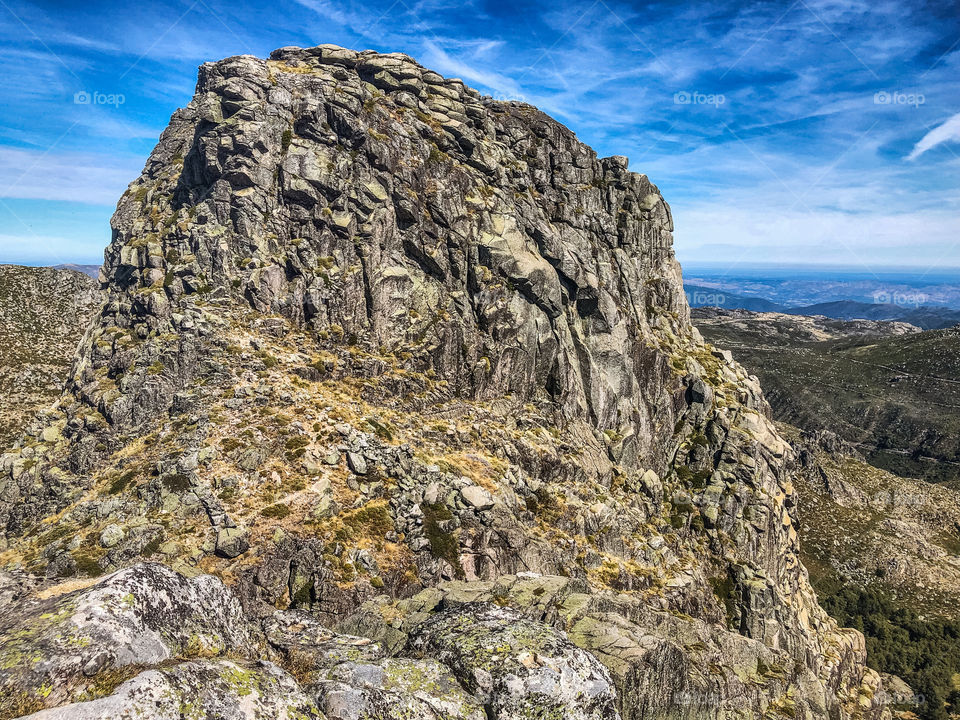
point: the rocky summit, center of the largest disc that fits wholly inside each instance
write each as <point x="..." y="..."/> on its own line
<point x="394" y="410"/>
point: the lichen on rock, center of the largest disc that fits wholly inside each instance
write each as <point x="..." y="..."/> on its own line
<point x="368" y="334"/>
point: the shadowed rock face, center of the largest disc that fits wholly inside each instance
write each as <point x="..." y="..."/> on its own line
<point x="368" y="332"/>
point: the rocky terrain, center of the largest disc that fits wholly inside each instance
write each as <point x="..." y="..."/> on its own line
<point x="394" y="409"/>
<point x="43" y="314"/>
<point x="883" y="553"/>
<point x="886" y="388"/>
<point x="864" y="526"/>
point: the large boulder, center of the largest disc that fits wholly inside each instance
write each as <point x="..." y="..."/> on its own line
<point x="221" y="689"/>
<point x="53" y="649"/>
<point x="518" y="667"/>
<point x="306" y="644"/>
<point x="395" y="689"/>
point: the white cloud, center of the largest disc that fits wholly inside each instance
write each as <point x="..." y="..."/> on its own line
<point x="32" y="249"/>
<point x="949" y="130"/>
<point x="73" y="177"/>
<point x="751" y="235"/>
<point x="437" y="58"/>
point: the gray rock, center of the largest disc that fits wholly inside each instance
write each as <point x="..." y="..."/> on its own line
<point x="477" y="497"/>
<point x="519" y="668"/>
<point x="394" y="689"/>
<point x="222" y="689"/>
<point x="111" y="535"/>
<point x="144" y="615"/>
<point x="305" y="642"/>
<point x="231" y="542"/>
<point x="357" y="463"/>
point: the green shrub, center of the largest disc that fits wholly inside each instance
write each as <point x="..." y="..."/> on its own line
<point x="277" y="511"/>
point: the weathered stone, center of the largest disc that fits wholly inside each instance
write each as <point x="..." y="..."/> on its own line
<point x="395" y="689"/>
<point x="476" y="497"/>
<point x="519" y="668"/>
<point x="357" y="463"/>
<point x="142" y="616"/>
<point x="232" y="541"/>
<point x="223" y="689"/>
<point x="111" y="535"/>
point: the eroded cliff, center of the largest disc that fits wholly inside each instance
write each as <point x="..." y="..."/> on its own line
<point x="395" y="355"/>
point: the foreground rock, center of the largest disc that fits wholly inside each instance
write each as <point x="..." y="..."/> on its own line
<point x="223" y="689"/>
<point x="139" y="642"/>
<point x="396" y="689"/>
<point x="368" y="332"/>
<point x="495" y="633"/>
<point x="55" y="648"/>
<point x="521" y="669"/>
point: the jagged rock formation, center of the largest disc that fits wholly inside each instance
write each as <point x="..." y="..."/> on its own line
<point x="43" y="313"/>
<point x="368" y="333"/>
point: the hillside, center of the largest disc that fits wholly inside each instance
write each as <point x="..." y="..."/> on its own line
<point x="883" y="553"/>
<point x="43" y="314"/>
<point x="395" y="408"/>
<point x="891" y="391"/>
<point x="89" y="270"/>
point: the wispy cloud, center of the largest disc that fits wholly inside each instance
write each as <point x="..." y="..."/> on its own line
<point x="799" y="117"/>
<point x="501" y="85"/>
<point x="71" y="177"/>
<point x="949" y="130"/>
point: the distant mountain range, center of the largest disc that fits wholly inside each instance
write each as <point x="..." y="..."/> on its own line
<point x="91" y="270"/>
<point x="886" y="388"/>
<point x="927" y="317"/>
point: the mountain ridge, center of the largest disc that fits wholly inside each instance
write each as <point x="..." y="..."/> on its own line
<point x="927" y="317"/>
<point x="376" y="349"/>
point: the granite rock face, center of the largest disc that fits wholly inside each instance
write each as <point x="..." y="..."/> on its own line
<point x="395" y="689"/>
<point x="519" y="668"/>
<point x="368" y="333"/>
<point x="222" y="689"/>
<point x="141" y="616"/>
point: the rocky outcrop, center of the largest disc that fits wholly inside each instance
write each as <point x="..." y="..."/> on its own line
<point x="55" y="648"/>
<point x="517" y="667"/>
<point x="395" y="689"/>
<point x="368" y="332"/>
<point x="656" y="659"/>
<point x="43" y="314"/>
<point x="222" y="689"/>
<point x="142" y="643"/>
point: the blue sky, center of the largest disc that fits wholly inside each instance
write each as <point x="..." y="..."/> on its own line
<point x="811" y="131"/>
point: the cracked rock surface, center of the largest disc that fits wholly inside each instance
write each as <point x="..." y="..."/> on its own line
<point x="376" y="348"/>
